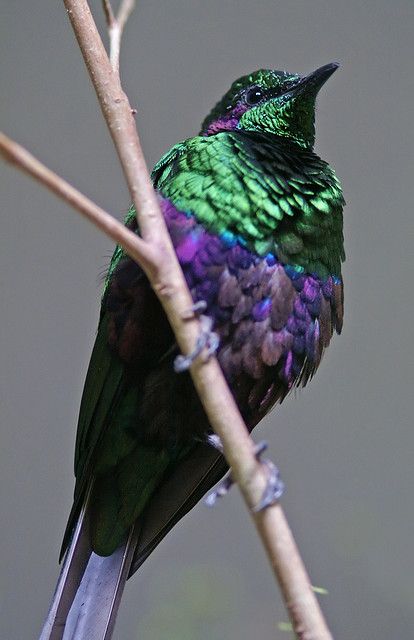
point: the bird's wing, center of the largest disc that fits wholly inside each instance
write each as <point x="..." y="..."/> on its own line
<point x="103" y="384"/>
<point x="133" y="335"/>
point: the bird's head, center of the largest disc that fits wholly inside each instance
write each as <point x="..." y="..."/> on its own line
<point x="270" y="101"/>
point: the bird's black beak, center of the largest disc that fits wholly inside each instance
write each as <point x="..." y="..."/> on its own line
<point x="313" y="82"/>
<point x="316" y="79"/>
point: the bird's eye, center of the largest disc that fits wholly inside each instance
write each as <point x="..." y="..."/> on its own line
<point x="253" y="96"/>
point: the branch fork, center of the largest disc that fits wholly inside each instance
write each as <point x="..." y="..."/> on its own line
<point x="116" y="24"/>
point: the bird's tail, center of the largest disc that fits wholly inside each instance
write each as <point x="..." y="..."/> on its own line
<point x="89" y="589"/>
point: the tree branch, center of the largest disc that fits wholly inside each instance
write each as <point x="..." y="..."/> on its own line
<point x="147" y="255"/>
<point x="115" y="28"/>
<point x="155" y="253"/>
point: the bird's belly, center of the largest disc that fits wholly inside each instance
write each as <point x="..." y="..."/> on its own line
<point x="273" y="322"/>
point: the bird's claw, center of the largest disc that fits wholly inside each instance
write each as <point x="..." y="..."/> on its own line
<point x="274" y="486"/>
<point x="215" y="441"/>
<point x="221" y="490"/>
<point x="224" y="486"/>
<point x="207" y="339"/>
<point x="196" y="310"/>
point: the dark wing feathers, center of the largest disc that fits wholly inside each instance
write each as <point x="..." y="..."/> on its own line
<point x="103" y="385"/>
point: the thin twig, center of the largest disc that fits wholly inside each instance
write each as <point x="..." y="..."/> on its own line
<point x="116" y="26"/>
<point x="109" y="14"/>
<point x="140" y="251"/>
<point x="125" y="10"/>
<point x="168" y="282"/>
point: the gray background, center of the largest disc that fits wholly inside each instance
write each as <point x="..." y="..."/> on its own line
<point x="345" y="445"/>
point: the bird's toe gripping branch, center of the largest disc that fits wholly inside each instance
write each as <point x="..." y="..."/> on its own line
<point x="207" y="339"/>
<point x="274" y="487"/>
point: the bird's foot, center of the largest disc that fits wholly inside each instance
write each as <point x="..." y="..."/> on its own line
<point x="215" y="441"/>
<point x="220" y="490"/>
<point x="207" y="339"/>
<point x="274" y="486"/>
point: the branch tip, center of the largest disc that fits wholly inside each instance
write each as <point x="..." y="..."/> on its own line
<point x="115" y="25"/>
<point x="109" y="14"/>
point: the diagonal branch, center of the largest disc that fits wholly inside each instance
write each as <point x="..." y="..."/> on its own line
<point x="140" y="251"/>
<point x="156" y="255"/>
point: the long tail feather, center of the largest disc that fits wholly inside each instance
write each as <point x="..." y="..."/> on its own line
<point x="95" y="607"/>
<point x="74" y="564"/>
<point x="89" y="589"/>
<point x="88" y="593"/>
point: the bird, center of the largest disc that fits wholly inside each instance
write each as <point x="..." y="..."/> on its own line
<point x="256" y="220"/>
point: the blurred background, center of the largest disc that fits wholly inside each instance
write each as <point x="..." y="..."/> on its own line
<point x="345" y="444"/>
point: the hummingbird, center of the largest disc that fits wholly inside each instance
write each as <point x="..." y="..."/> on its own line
<point x="255" y="217"/>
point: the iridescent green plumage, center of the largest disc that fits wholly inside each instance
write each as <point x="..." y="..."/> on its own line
<point x="276" y="197"/>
